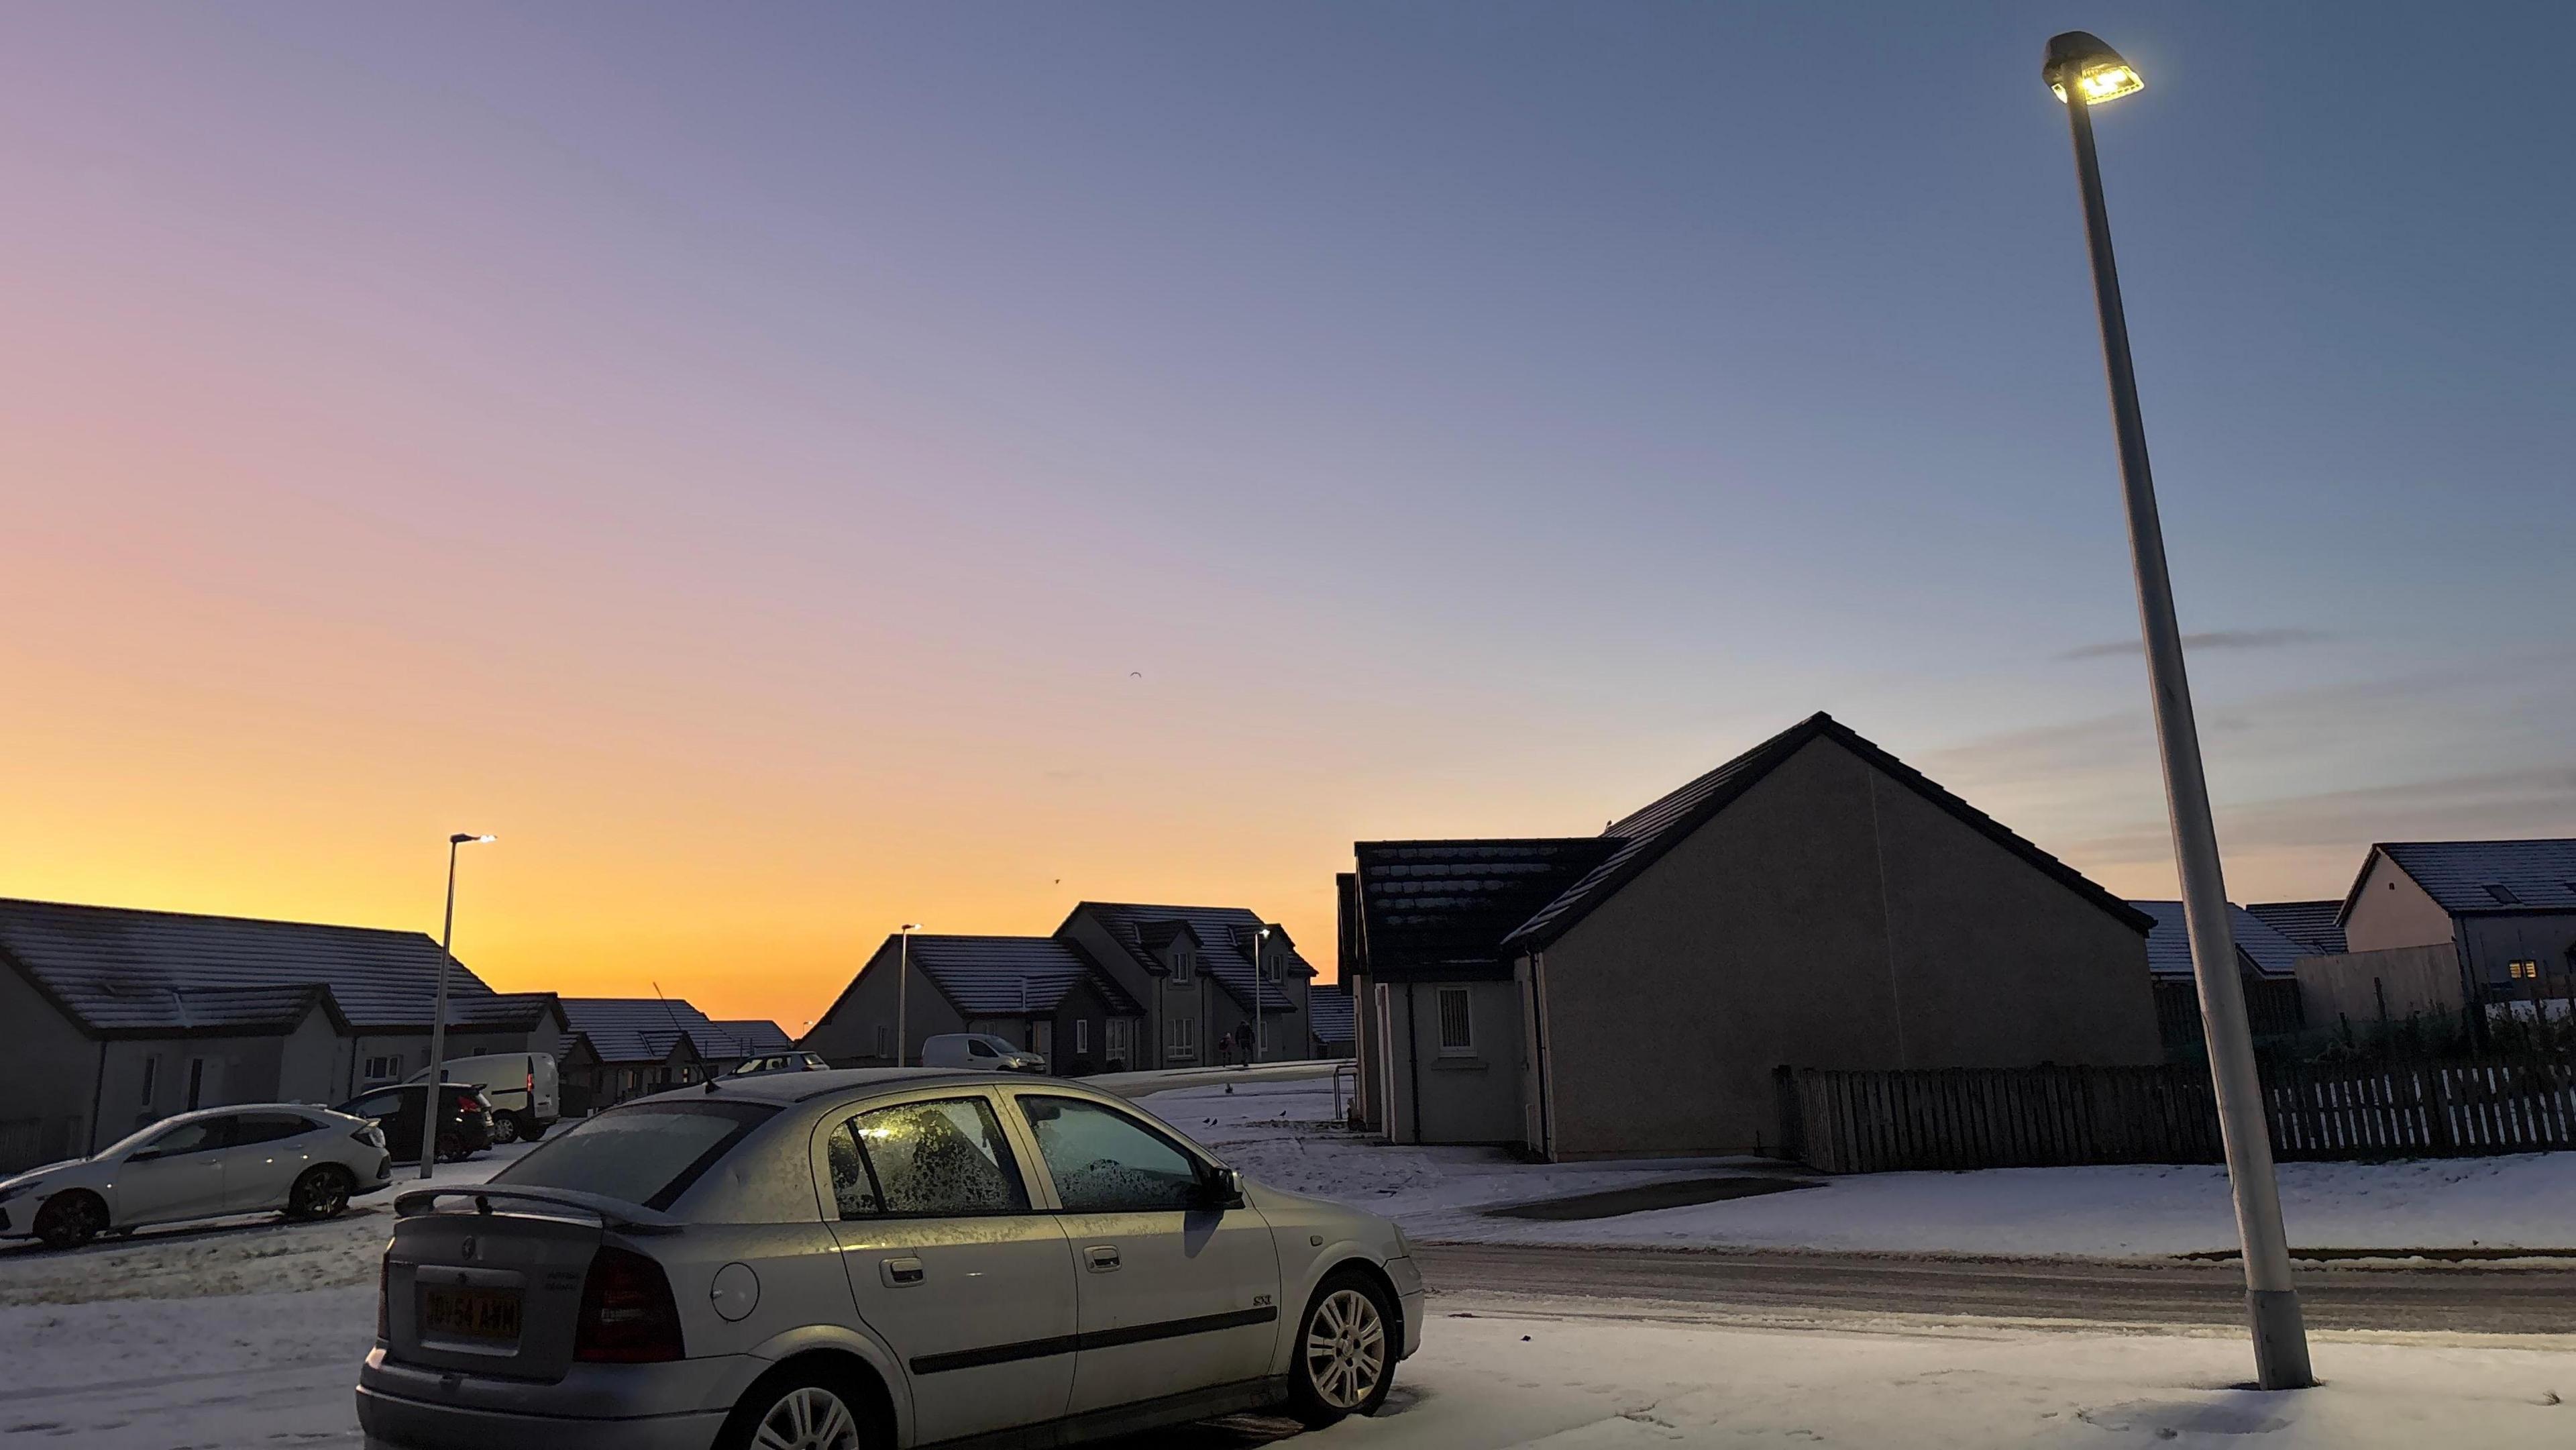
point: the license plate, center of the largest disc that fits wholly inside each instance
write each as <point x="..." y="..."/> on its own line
<point x="469" y="1313"/>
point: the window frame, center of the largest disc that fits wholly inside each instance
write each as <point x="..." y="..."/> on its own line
<point x="1184" y="967"/>
<point x="1466" y="999"/>
<point x="1181" y="1035"/>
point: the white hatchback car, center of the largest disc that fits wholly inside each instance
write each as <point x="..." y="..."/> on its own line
<point x="306" y="1162"/>
<point x="873" y="1258"/>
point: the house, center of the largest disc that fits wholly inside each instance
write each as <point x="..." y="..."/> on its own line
<point x="1116" y="986"/>
<point x="1047" y="995"/>
<point x="2266" y="963"/>
<point x="2506" y="908"/>
<point x="618" y="1047"/>
<point x="113" y="1017"/>
<point x="1813" y="902"/>
<point x="2449" y="929"/>
<point x="756" y="1036"/>
<point x="1204" y="975"/>
<point x="1328" y="1021"/>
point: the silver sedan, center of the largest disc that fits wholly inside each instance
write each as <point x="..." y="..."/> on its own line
<point x="873" y="1258"/>
<point x="306" y="1162"/>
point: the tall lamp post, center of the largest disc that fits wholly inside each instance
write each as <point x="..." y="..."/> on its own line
<point x="1260" y="974"/>
<point x="2084" y="72"/>
<point x="902" y="983"/>
<point x="430" y="1113"/>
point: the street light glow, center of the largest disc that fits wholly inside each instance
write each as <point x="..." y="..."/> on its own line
<point x="2098" y="70"/>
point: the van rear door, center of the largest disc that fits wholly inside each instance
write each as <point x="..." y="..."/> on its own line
<point x="547" y="1101"/>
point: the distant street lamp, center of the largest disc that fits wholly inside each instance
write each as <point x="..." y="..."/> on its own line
<point x="438" y="1013"/>
<point x="1258" y="938"/>
<point x="2084" y="72"/>
<point x="902" y="982"/>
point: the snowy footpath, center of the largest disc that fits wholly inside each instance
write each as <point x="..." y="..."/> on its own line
<point x="248" y="1334"/>
<point x="1278" y="1133"/>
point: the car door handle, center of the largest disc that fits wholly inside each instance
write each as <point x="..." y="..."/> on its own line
<point x="1103" y="1257"/>
<point x="899" y="1272"/>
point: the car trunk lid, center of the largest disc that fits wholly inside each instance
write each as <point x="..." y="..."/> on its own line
<point x="489" y="1281"/>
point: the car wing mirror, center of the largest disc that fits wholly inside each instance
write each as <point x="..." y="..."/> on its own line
<point x="1221" y="1187"/>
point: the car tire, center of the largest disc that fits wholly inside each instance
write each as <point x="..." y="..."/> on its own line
<point x="532" y="1130"/>
<point x="322" y="1192"/>
<point x="505" y="1129"/>
<point x="801" y="1410"/>
<point x="451" y="1148"/>
<point x="1344" y="1360"/>
<point x="72" y="1219"/>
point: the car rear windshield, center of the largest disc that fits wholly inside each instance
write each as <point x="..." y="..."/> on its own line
<point x="647" y="1153"/>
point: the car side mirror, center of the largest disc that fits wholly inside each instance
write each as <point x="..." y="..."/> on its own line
<point x="142" y="1155"/>
<point x="1221" y="1187"/>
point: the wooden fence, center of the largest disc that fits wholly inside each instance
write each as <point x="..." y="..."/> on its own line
<point x="1869" y="1122"/>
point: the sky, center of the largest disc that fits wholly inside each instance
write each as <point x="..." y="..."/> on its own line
<point x="789" y="471"/>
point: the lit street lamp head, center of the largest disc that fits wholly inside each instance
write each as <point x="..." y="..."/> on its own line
<point x="2096" y="70"/>
<point x="466" y="838"/>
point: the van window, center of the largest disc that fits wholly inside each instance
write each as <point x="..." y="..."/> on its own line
<point x="978" y="1047"/>
<point x="647" y="1153"/>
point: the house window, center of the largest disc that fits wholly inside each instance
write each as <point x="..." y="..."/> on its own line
<point x="885" y="1037"/>
<point x="384" y="1069"/>
<point x="1081" y="1034"/>
<point x="2522" y="971"/>
<point x="1182" y="966"/>
<point x="151" y="1076"/>
<point x="1182" y="1036"/>
<point x="1457" y="1025"/>
<point x="196" y="1081"/>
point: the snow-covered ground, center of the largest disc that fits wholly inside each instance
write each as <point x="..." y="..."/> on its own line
<point x="1280" y="1134"/>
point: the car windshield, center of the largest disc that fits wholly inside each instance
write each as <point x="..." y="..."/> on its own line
<point x="647" y="1153"/>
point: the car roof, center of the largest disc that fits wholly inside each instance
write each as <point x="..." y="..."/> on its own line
<point x="784" y="1088"/>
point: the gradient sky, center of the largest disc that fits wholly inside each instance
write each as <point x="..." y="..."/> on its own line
<point x="740" y="455"/>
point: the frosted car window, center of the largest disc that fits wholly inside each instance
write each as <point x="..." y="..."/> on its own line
<point x="943" y="1157"/>
<point x="647" y="1153"/>
<point x="1104" y="1161"/>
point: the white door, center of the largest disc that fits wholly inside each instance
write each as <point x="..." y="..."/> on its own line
<point x="966" y="1282"/>
<point x="1121" y="1043"/>
<point x="269" y="1151"/>
<point x="1173" y="1292"/>
<point x="179" y="1174"/>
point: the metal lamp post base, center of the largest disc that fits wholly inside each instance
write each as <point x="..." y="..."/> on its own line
<point x="2280" y="1339"/>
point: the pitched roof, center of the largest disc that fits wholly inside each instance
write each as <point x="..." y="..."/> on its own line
<point x="2258" y="946"/>
<point x="1224" y="931"/>
<point x="1444" y="907"/>
<point x="2311" y="924"/>
<point x="1643" y="837"/>
<point x="755" y="1035"/>
<point x="647" y="1029"/>
<point x="1329" y="1015"/>
<point x="122" y="971"/>
<point x="2472" y="877"/>
<point x="1005" y="976"/>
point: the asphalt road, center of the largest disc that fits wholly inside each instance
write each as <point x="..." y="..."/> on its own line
<point x="1820" y="1288"/>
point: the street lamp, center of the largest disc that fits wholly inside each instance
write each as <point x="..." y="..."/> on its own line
<point x="438" y="1013"/>
<point x="2085" y="72"/>
<point x="1258" y="939"/>
<point x="902" y="982"/>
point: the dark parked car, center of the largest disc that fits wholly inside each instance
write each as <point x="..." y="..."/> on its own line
<point x="781" y="1062"/>
<point x="464" y="1129"/>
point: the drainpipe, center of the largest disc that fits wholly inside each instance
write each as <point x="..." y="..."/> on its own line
<point x="1413" y="1049"/>
<point x="97" y="1095"/>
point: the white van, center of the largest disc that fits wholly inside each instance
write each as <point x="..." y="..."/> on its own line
<point x="979" y="1050"/>
<point x="521" y="1085"/>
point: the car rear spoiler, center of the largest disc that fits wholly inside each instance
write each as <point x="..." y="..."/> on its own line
<point x="614" y="1213"/>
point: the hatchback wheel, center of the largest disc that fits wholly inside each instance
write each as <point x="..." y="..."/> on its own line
<point x="795" y="1416"/>
<point x="321" y="1193"/>
<point x="71" y="1220"/>
<point x="505" y="1128"/>
<point x="1345" y="1352"/>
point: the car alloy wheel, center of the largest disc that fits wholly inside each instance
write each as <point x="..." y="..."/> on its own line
<point x="808" y="1417"/>
<point x="71" y="1220"/>
<point x="1345" y="1349"/>
<point x="505" y="1128"/>
<point x="320" y="1193"/>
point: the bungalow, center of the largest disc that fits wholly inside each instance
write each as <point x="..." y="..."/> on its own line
<point x="112" y="1017"/>
<point x="1044" y="994"/>
<point x="2266" y="963"/>
<point x="1814" y="902"/>
<point x="619" y="1047"/>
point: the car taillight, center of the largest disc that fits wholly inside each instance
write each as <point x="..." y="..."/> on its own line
<point x="627" y="1315"/>
<point x="532" y="1082"/>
